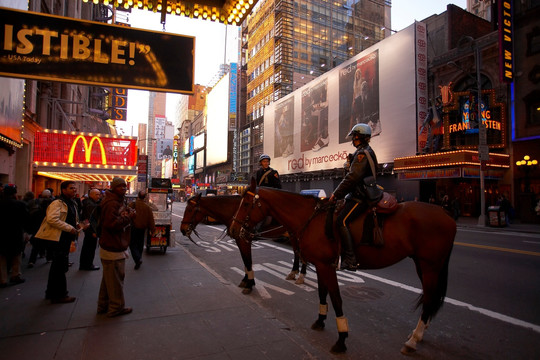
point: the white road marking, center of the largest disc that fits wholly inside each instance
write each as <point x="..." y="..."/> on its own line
<point x="352" y="278"/>
<point x="262" y="285"/>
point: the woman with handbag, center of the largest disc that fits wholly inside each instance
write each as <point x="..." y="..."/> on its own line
<point x="353" y="189"/>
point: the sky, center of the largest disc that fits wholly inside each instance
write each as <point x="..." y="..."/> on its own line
<point x="210" y="49"/>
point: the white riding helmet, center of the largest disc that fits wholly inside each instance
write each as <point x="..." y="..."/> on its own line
<point x="363" y="129"/>
<point x="264" y="156"/>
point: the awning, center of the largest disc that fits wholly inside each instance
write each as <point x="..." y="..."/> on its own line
<point x="450" y="164"/>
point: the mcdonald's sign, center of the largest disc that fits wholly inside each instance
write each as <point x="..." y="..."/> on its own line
<point x="90" y="150"/>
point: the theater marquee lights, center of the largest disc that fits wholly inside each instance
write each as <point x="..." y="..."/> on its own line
<point x="85" y="156"/>
<point x="229" y="12"/>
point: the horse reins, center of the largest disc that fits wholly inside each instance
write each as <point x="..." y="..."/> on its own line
<point x="244" y="227"/>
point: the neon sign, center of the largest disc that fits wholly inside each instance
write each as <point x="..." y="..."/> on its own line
<point x="87" y="149"/>
<point x="62" y="148"/>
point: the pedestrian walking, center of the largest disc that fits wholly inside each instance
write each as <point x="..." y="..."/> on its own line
<point x="13" y="217"/>
<point x="114" y="240"/>
<point x="90" y="212"/>
<point x="142" y="222"/>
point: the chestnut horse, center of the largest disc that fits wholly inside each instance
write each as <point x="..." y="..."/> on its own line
<point x="222" y="208"/>
<point x="418" y="230"/>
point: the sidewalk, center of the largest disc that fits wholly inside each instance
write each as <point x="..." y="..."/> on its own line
<point x="472" y="222"/>
<point x="180" y="311"/>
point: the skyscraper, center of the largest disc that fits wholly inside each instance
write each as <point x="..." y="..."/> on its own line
<point x="286" y="44"/>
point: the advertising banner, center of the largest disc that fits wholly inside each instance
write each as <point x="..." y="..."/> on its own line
<point x="47" y="47"/>
<point x="72" y="149"/>
<point x="12" y="97"/>
<point x="307" y="130"/>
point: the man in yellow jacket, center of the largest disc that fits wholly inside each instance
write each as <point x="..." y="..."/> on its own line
<point x="61" y="227"/>
<point x="144" y="220"/>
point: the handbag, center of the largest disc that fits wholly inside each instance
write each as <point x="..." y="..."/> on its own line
<point x="374" y="192"/>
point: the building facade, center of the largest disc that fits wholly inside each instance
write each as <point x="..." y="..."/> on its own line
<point x="285" y="44"/>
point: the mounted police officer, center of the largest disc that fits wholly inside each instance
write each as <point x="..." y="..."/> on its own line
<point x="352" y="189"/>
<point x="266" y="176"/>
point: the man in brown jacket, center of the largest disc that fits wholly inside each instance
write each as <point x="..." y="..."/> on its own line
<point x="143" y="220"/>
<point x="114" y="241"/>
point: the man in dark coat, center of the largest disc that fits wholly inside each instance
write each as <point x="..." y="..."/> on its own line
<point x="352" y="189"/>
<point x="143" y="221"/>
<point x="90" y="212"/>
<point x="266" y="176"/>
<point x="37" y="210"/>
<point x="13" y="214"/>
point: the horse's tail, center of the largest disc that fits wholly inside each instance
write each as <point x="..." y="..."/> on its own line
<point x="437" y="299"/>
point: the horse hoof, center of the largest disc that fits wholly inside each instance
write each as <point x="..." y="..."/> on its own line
<point x="247" y="291"/>
<point x="242" y="284"/>
<point x="300" y="279"/>
<point x="318" y="325"/>
<point x="291" y="276"/>
<point x="407" y="350"/>
<point x="338" y="348"/>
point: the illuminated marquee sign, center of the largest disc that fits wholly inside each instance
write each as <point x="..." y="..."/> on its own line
<point x="47" y="47"/>
<point x="506" y="40"/>
<point x="449" y="159"/>
<point x="461" y="121"/>
<point x="72" y="149"/>
<point x="119" y="104"/>
<point x="175" y="157"/>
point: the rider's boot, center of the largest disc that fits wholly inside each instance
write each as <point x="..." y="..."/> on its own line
<point x="348" y="258"/>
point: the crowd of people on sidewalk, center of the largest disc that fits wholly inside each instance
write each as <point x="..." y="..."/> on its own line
<point x="52" y="226"/>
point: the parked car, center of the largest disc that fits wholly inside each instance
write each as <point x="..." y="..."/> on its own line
<point x="320" y="193"/>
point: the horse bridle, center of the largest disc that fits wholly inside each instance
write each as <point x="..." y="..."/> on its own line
<point x="245" y="232"/>
<point x="256" y="203"/>
<point x="191" y="226"/>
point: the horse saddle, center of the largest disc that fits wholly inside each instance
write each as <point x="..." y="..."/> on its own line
<point x="372" y="220"/>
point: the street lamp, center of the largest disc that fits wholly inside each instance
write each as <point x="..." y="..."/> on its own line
<point x="526" y="164"/>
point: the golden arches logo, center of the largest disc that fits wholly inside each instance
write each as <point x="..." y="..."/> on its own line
<point x="87" y="149"/>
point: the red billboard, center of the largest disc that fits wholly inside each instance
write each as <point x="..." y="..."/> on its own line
<point x="73" y="148"/>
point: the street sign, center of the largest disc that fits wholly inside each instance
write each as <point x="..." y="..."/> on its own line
<point x="483" y="152"/>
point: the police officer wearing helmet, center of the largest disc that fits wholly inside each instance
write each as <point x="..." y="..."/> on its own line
<point x="351" y="188"/>
<point x="266" y="176"/>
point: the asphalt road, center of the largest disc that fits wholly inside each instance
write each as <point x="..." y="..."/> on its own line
<point x="491" y="310"/>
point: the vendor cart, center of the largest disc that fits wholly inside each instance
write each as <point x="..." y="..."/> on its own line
<point x="158" y="196"/>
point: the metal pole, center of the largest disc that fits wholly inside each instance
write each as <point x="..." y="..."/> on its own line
<point x="481" y="138"/>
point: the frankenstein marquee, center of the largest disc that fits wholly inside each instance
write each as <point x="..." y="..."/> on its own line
<point x="460" y="157"/>
<point x="80" y="156"/>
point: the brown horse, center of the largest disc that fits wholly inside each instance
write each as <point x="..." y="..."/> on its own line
<point x="222" y="208"/>
<point x="421" y="231"/>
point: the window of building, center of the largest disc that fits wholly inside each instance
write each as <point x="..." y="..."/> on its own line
<point x="532" y="102"/>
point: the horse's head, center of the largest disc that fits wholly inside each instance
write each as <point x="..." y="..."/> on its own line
<point x="192" y="215"/>
<point x="251" y="211"/>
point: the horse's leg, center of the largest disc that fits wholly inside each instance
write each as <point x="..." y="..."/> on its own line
<point x="330" y="277"/>
<point x="434" y="284"/>
<point x="249" y="278"/>
<point x="328" y="284"/>
<point x="295" y="267"/>
<point x="323" y="305"/>
<point x="302" y="275"/>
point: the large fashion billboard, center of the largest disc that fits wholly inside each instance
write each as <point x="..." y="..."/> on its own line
<point x="384" y="86"/>
<point x="47" y="47"/>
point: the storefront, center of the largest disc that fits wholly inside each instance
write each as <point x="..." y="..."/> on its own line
<point x="91" y="159"/>
<point x="456" y="174"/>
